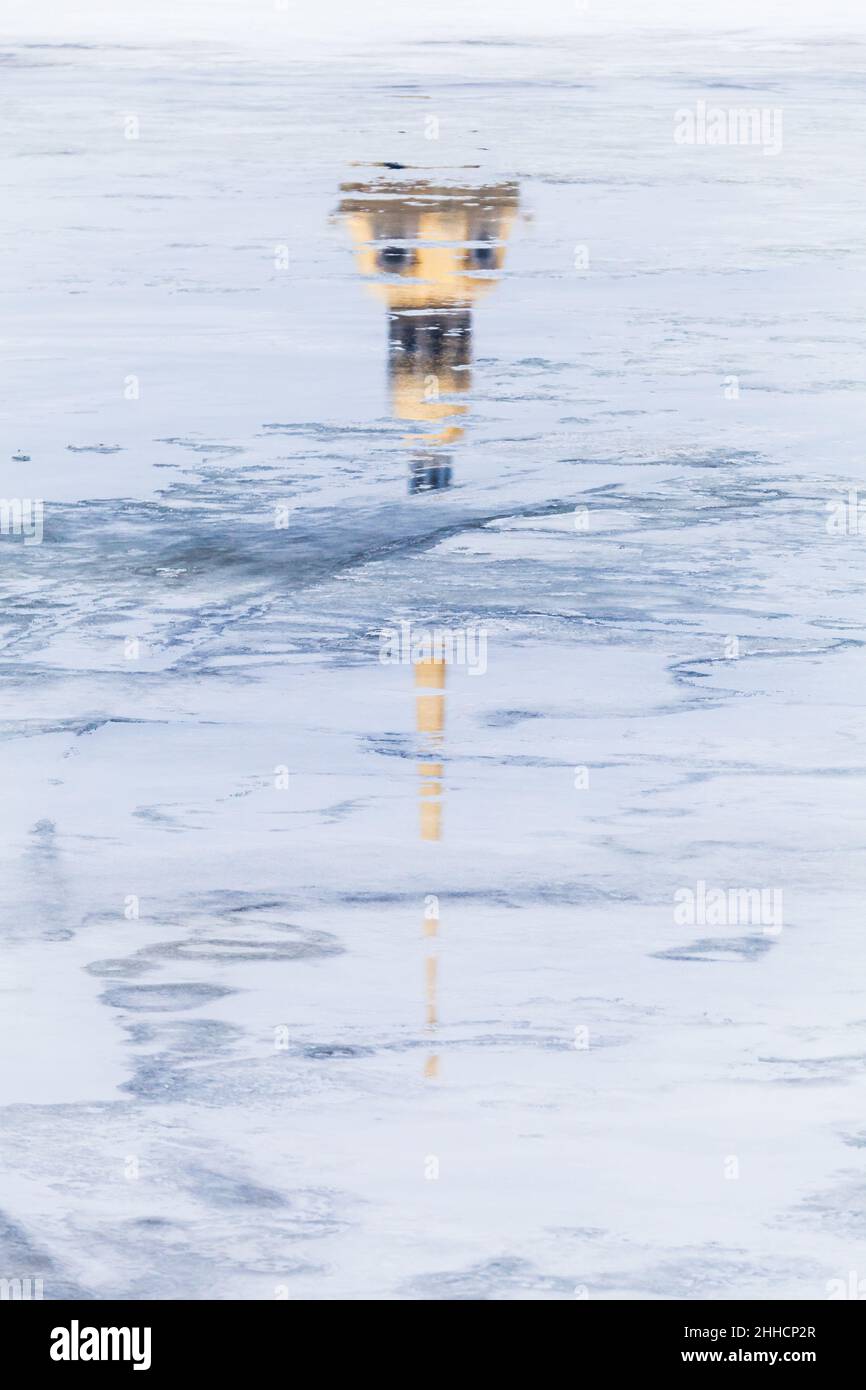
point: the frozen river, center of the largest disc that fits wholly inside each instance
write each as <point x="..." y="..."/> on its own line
<point x="533" y="974"/>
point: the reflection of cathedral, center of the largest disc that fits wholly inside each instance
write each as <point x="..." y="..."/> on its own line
<point x="430" y="724"/>
<point x="429" y="252"/>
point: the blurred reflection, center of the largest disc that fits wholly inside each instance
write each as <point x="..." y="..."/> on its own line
<point x="429" y="253"/>
<point x="430" y="726"/>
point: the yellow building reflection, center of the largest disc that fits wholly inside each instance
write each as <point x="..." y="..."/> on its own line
<point x="430" y="727"/>
<point x="429" y="253"/>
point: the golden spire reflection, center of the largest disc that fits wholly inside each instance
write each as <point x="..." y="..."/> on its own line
<point x="429" y="253"/>
<point x="430" y="726"/>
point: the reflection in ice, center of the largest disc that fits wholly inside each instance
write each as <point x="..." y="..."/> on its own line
<point x="430" y="253"/>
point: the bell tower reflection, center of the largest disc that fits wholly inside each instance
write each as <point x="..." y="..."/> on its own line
<point x="429" y="253"/>
<point x="430" y="726"/>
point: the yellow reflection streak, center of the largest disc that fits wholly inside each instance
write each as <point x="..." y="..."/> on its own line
<point x="430" y="722"/>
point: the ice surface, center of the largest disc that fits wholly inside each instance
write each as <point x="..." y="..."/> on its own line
<point x="231" y="1069"/>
